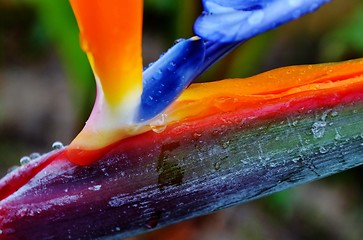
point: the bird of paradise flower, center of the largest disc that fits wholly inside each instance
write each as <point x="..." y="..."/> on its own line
<point x="118" y="177"/>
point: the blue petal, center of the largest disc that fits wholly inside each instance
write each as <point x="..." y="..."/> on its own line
<point x="238" y="20"/>
<point x="165" y="79"/>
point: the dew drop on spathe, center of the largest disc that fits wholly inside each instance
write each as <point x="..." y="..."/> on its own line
<point x="179" y="40"/>
<point x="158" y="124"/>
<point x="318" y="129"/>
<point x="57" y="145"/>
<point x="95" y="188"/>
<point x="217" y="166"/>
<point x="153" y="221"/>
<point x="150" y="64"/>
<point x="25" y="160"/>
<point x="172" y="66"/>
<point x="34" y="155"/>
<point x="197" y="135"/>
<point x="158" y="75"/>
<point x="334" y="113"/>
<point x="337" y="137"/>
<point x="323" y="149"/>
<point x="150" y="224"/>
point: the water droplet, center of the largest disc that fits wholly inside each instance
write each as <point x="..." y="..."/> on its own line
<point x="1" y="231"/>
<point x="118" y="229"/>
<point x="217" y="166"/>
<point x="34" y="155"/>
<point x="25" y="160"/>
<point x="256" y="17"/>
<point x="158" y="124"/>
<point x="95" y="188"/>
<point x="273" y="164"/>
<point x="334" y="113"/>
<point x="337" y="136"/>
<point x="318" y="129"/>
<point x="172" y="66"/>
<point x="158" y="75"/>
<point x="162" y="55"/>
<point x="225" y="145"/>
<point x="57" y="145"/>
<point x="13" y="168"/>
<point x="153" y="221"/>
<point x="197" y="135"/>
<point x="150" y="64"/>
<point x="296" y="160"/>
<point x="179" y="40"/>
<point x="244" y="161"/>
<point x="151" y="224"/>
<point x="323" y="149"/>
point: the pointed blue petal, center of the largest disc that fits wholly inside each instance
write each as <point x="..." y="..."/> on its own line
<point x="165" y="79"/>
<point x="238" y="20"/>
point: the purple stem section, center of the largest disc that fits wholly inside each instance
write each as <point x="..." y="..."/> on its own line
<point x="158" y="179"/>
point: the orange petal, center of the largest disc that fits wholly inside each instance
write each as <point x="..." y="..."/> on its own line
<point x="111" y="33"/>
<point x="279" y="85"/>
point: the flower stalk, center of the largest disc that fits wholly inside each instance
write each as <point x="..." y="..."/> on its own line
<point x="193" y="167"/>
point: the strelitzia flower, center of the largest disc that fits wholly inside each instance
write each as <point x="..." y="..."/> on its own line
<point x="156" y="150"/>
<point x="127" y="99"/>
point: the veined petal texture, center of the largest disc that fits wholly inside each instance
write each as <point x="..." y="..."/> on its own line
<point x="238" y="20"/>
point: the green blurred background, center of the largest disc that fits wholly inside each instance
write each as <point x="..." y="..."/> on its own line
<point x="47" y="91"/>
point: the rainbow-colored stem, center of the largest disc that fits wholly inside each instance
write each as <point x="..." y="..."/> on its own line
<point x="197" y="165"/>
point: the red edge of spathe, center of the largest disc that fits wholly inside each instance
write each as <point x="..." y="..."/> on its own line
<point x="20" y="176"/>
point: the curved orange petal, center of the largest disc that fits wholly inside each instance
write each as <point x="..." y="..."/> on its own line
<point x="280" y="85"/>
<point x="111" y="33"/>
